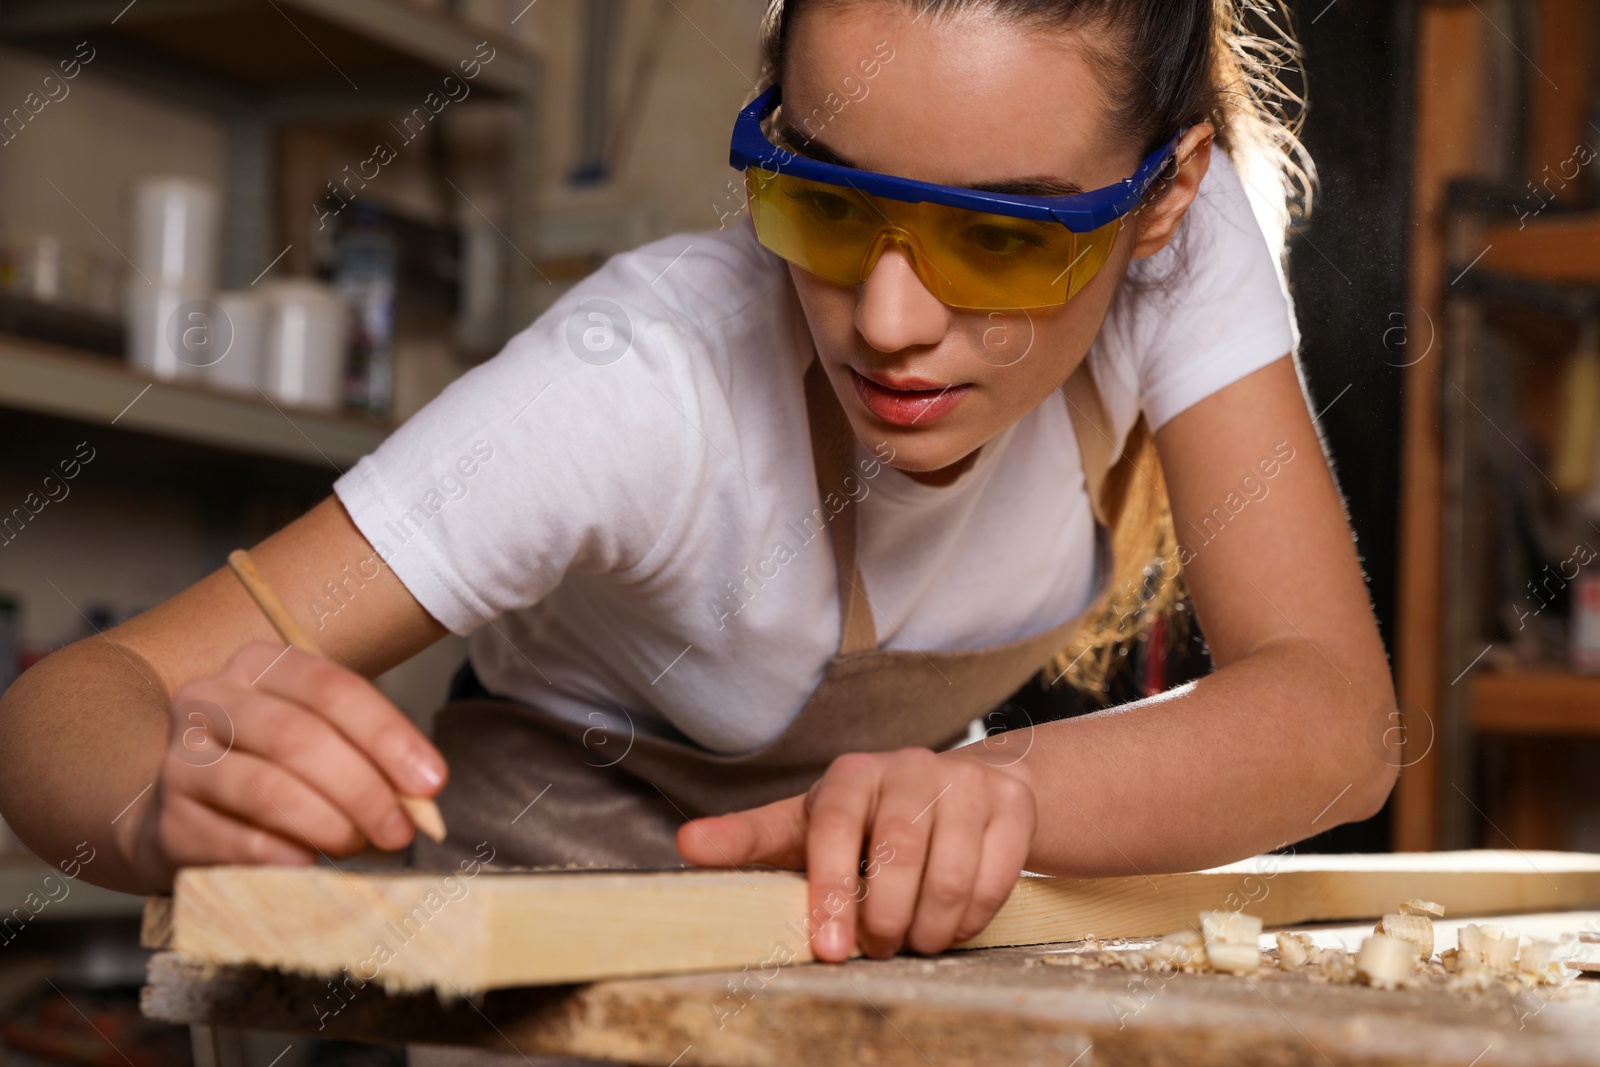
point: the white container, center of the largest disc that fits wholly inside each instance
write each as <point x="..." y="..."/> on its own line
<point x="175" y="234"/>
<point x="239" y="369"/>
<point x="304" y="356"/>
<point x="170" y="334"/>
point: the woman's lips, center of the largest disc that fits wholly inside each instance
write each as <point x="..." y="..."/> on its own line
<point x="909" y="401"/>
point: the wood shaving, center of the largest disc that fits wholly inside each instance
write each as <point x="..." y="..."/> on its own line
<point x="1334" y="965"/>
<point x="1421" y="907"/>
<point x="1293" y="950"/>
<point x="1398" y="955"/>
<point x="1386" y="962"/>
<point x="1488" y="955"/>
<point x="1413" y="928"/>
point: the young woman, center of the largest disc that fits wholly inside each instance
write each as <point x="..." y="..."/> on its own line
<point x="754" y="522"/>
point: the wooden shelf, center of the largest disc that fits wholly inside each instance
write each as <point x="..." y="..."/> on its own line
<point x="1536" y="702"/>
<point x="21" y="875"/>
<point x="53" y="381"/>
<point x="260" y="67"/>
<point x="301" y="50"/>
<point x="1561" y="248"/>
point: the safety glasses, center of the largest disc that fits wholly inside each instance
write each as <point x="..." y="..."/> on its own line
<point x="972" y="249"/>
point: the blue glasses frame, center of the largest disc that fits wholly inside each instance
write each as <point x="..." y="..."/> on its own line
<point x="1080" y="213"/>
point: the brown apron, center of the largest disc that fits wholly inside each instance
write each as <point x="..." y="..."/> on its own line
<point x="543" y="791"/>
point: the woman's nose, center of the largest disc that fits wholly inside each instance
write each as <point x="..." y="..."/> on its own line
<point x="894" y="310"/>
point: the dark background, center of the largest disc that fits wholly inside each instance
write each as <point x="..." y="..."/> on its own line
<point x="1348" y="274"/>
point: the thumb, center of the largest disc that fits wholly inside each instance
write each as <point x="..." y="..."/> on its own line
<point x="774" y="834"/>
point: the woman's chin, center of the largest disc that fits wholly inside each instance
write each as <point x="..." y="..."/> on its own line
<point x="925" y="462"/>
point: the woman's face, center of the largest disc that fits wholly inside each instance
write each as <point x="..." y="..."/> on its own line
<point x="964" y="100"/>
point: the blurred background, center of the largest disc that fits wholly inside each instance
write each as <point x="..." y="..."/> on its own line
<point x="354" y="201"/>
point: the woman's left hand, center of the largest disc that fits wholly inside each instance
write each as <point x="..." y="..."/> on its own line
<point x="904" y="849"/>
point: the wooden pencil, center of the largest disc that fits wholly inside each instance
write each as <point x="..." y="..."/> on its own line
<point x="423" y="812"/>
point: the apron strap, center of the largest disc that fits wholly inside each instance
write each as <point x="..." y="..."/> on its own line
<point x="833" y="445"/>
<point x="1091" y="426"/>
<point x="832" y="448"/>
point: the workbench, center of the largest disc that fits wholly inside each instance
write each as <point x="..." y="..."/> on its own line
<point x="1009" y="1006"/>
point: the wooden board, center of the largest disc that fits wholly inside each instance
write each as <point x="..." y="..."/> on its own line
<point x="1555" y="248"/>
<point x="1558" y="93"/>
<point x="1448" y="73"/>
<point x="462" y="935"/>
<point x="1536" y="702"/>
<point x="1005" y="1006"/>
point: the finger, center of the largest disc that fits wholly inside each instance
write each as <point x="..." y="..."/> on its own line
<point x="355" y="708"/>
<point x="915" y="783"/>
<point x="306" y="745"/>
<point x="191" y="834"/>
<point x="773" y="834"/>
<point x="954" y="848"/>
<point x="1006" y="843"/>
<point x="839" y="807"/>
<point x="259" y="793"/>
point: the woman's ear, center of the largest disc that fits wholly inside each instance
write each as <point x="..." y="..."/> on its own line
<point x="1157" y="220"/>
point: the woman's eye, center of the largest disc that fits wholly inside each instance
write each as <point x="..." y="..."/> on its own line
<point x="827" y="206"/>
<point x="1001" y="241"/>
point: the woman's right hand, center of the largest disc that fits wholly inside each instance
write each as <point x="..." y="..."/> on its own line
<point x="282" y="756"/>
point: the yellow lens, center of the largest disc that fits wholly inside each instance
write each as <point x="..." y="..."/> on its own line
<point x="968" y="259"/>
<point x="825" y="229"/>
<point x="996" y="262"/>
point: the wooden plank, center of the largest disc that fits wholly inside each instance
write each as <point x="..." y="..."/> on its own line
<point x="1451" y="67"/>
<point x="1561" y="249"/>
<point x="1003" y="1006"/>
<point x="1587" y="956"/>
<point x="1558" y="81"/>
<point x="460" y="935"/>
<point x="1536" y="702"/>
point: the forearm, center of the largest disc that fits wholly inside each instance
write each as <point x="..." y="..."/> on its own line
<point x="81" y="740"/>
<point x="1270" y="749"/>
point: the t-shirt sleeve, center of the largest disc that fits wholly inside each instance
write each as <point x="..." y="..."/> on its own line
<point x="1211" y="308"/>
<point x="556" y="454"/>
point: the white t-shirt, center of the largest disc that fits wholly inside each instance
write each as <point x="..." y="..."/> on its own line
<point x="626" y="531"/>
